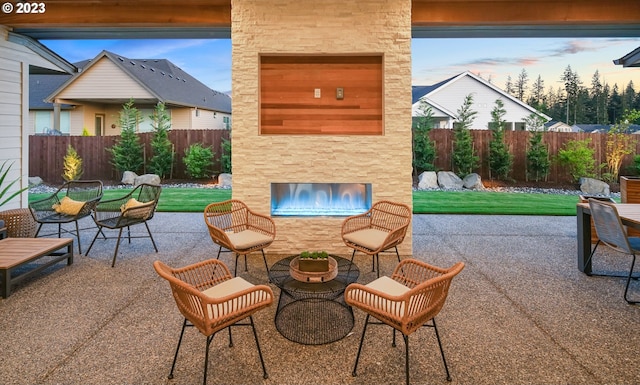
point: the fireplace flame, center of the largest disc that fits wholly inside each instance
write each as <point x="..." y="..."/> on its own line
<point x="320" y="199"/>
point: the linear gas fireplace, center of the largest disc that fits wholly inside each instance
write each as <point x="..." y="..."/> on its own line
<point x="320" y="199"/>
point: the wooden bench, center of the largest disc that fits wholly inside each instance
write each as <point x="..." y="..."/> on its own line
<point x="17" y="252"/>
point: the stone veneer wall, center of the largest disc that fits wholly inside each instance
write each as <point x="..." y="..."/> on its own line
<point x="321" y="27"/>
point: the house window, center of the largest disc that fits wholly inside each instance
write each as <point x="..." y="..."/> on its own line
<point x="44" y="123"/>
<point x="226" y="120"/>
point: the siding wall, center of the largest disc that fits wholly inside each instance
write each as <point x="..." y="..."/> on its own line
<point x="15" y="60"/>
<point x="330" y="27"/>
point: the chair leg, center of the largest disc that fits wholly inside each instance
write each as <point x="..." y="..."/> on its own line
<point x="364" y="330"/>
<point x="626" y="289"/>
<point x="398" y="254"/>
<point x="151" y="236"/>
<point x="59" y="230"/>
<point x="78" y="236"/>
<point x="444" y="361"/>
<point x="406" y="358"/>
<point x="255" y="335"/>
<point x="592" y="253"/>
<point x="206" y="358"/>
<point x="264" y="257"/>
<point x="38" y="231"/>
<point x="113" y="263"/>
<point x="129" y="233"/>
<point x="94" y="239"/>
<point x="245" y="263"/>
<point x="219" y="251"/>
<point x="175" y="356"/>
<point x="230" y="337"/>
<point x="235" y="269"/>
<point x="353" y="255"/>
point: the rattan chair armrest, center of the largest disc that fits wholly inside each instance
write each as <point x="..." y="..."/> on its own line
<point x="219" y="236"/>
<point x="204" y="274"/>
<point x="412" y="272"/>
<point x="261" y="223"/>
<point x="356" y="222"/>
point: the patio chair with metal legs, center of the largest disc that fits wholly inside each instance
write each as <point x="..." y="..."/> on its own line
<point x="409" y="299"/>
<point x="133" y="208"/>
<point x="382" y="228"/>
<point x="611" y="232"/>
<point x="210" y="299"/>
<point x="73" y="201"/>
<point x="238" y="229"/>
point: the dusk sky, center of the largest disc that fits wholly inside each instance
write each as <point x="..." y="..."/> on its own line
<point x="433" y="60"/>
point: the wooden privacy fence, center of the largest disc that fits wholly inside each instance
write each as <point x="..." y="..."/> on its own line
<point x="518" y="143"/>
<point x="46" y="153"/>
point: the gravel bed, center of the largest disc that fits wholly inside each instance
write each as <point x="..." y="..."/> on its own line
<point x="43" y="188"/>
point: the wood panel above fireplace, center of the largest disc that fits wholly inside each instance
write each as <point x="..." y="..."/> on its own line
<point x="321" y="95"/>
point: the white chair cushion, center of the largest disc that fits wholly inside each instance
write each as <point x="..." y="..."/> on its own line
<point x="390" y="287"/>
<point x="372" y="239"/>
<point x="226" y="288"/>
<point x="247" y="239"/>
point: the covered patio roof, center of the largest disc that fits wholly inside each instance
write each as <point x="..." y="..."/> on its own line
<point x="79" y="19"/>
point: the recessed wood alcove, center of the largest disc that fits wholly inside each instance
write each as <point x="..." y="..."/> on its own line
<point x="291" y="104"/>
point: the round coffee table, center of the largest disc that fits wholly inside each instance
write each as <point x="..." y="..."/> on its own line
<point x="313" y="313"/>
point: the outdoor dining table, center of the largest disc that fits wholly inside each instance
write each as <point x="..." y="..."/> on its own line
<point x="629" y="215"/>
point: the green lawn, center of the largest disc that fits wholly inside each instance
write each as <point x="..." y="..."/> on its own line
<point x="424" y="202"/>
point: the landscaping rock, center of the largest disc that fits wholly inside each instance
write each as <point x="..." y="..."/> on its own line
<point x="473" y="182"/>
<point x="590" y="186"/>
<point x="428" y="180"/>
<point x="147" y="178"/>
<point x="128" y="177"/>
<point x="224" y="180"/>
<point x="449" y="180"/>
<point x="35" y="181"/>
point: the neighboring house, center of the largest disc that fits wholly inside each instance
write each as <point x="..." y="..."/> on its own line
<point x="632" y="59"/>
<point x="93" y="97"/>
<point x="20" y="58"/>
<point x="603" y="128"/>
<point x="447" y="96"/>
<point x="557" y="126"/>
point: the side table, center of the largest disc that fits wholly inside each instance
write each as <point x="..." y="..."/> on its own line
<point x="313" y="313"/>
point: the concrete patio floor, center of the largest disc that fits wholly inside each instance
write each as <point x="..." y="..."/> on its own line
<point x="519" y="313"/>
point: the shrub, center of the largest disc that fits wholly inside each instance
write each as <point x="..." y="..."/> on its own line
<point x="198" y="161"/>
<point x="538" y="163"/>
<point x="578" y="157"/>
<point x="72" y="165"/>
<point x="225" y="157"/>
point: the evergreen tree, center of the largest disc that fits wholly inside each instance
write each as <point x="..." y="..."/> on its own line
<point x="571" y="87"/>
<point x="424" y="150"/>
<point x="465" y="161"/>
<point x="614" y="110"/>
<point x="126" y="154"/>
<point x="500" y="159"/>
<point x="161" y="147"/>
<point x="508" y="86"/>
<point x="538" y="163"/>
<point x="521" y="84"/>
<point x="537" y="94"/>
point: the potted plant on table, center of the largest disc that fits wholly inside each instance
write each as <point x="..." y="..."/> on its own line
<point x="314" y="261"/>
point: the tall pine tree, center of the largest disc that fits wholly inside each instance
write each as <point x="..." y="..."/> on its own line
<point x="161" y="147"/>
<point x="126" y="154"/>
<point x="465" y="160"/>
<point x="500" y="159"/>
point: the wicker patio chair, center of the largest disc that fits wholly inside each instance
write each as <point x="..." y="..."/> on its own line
<point x="413" y="295"/>
<point x="238" y="229"/>
<point x="380" y="229"/>
<point x="72" y="201"/>
<point x="19" y="223"/>
<point x="136" y="207"/>
<point x="611" y="232"/>
<point x="210" y="299"/>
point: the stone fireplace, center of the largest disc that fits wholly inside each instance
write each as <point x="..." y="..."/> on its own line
<point x="325" y="107"/>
